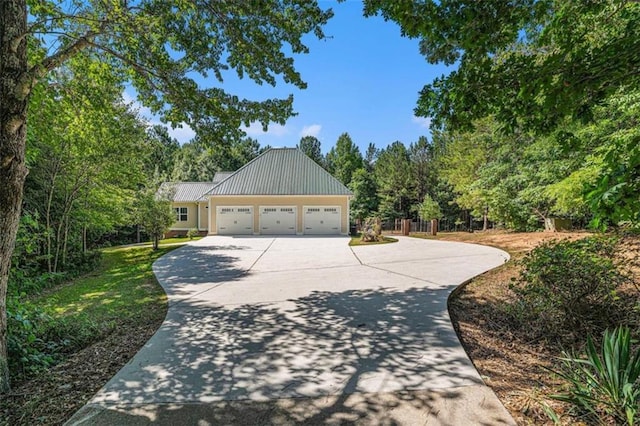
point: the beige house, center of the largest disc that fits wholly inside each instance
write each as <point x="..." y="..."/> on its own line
<point x="281" y="192"/>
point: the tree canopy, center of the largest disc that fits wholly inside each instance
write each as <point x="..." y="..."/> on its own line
<point x="310" y="145"/>
<point x="527" y="62"/>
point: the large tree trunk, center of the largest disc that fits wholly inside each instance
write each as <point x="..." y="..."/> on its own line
<point x="14" y="92"/>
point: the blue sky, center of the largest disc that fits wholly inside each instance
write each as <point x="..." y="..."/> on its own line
<point x="363" y="80"/>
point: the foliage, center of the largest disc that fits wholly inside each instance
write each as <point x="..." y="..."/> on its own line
<point x="310" y="145"/>
<point x="153" y="211"/>
<point x="429" y="209"/>
<point x="356" y="240"/>
<point x="161" y="150"/>
<point x="606" y="383"/>
<point x="613" y="191"/>
<point x="550" y="68"/>
<point x="395" y="186"/>
<point x="370" y="157"/>
<point x="531" y="62"/>
<point x="37" y="339"/>
<point x="198" y="39"/>
<point x="365" y="198"/>
<point x="28" y="275"/>
<point x="200" y="159"/>
<point x="517" y="179"/>
<point x="567" y="289"/>
<point x="85" y="158"/>
<point x="164" y="49"/>
<point x="344" y="159"/>
<point x="27" y="353"/>
<point x="423" y="167"/>
<point x="193" y="232"/>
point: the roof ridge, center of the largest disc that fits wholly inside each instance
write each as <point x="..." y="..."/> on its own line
<point x="236" y="172"/>
<point x="304" y="168"/>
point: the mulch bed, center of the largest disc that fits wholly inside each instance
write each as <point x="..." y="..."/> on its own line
<point x="513" y="368"/>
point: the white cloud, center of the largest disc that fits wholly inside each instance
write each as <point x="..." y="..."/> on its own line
<point x="255" y="129"/>
<point x="311" y="130"/>
<point x="183" y="133"/>
<point x="137" y="106"/>
<point x="422" y="121"/>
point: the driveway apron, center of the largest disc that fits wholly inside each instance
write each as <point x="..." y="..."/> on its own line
<point x="259" y="319"/>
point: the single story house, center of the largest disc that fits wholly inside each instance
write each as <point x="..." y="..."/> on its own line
<point x="280" y="192"/>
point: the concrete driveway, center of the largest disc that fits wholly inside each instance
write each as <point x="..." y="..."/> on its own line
<point x="305" y="330"/>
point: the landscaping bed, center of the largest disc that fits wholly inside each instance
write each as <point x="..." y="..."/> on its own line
<point x="515" y="367"/>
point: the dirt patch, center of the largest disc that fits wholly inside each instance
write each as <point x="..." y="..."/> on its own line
<point x="513" y="368"/>
<point x="516" y="243"/>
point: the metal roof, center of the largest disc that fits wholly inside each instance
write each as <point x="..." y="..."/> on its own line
<point x="187" y="191"/>
<point x="220" y="176"/>
<point x="281" y="171"/>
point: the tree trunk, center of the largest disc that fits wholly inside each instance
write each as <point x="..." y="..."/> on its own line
<point x="14" y="94"/>
<point x="485" y="219"/>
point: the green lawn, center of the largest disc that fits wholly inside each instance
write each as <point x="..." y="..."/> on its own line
<point x="123" y="287"/>
<point x="356" y="241"/>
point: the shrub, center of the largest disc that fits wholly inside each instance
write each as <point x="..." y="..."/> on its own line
<point x="606" y="383"/>
<point x="193" y="232"/>
<point x="37" y="340"/>
<point x="567" y="290"/>
<point x="25" y="348"/>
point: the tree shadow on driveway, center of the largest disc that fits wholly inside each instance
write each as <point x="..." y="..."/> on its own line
<point x="326" y="358"/>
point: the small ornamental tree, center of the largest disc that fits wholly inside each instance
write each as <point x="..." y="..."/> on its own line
<point x="154" y="213"/>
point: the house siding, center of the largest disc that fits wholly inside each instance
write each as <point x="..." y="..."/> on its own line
<point x="281" y="200"/>
<point x="192" y="217"/>
<point x="204" y="216"/>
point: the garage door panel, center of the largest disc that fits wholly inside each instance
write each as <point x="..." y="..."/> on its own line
<point x="234" y="220"/>
<point x="278" y="220"/>
<point x="322" y="220"/>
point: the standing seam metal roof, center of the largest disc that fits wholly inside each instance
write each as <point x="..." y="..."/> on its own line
<point x="220" y="176"/>
<point x="187" y="191"/>
<point x="281" y="171"/>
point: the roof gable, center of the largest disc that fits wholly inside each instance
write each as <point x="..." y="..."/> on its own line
<point x="281" y="171"/>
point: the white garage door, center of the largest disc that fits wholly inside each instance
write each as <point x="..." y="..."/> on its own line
<point x="234" y="220"/>
<point x="277" y="220"/>
<point x="322" y="220"/>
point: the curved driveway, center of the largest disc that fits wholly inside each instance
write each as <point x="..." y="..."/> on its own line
<point x="306" y="330"/>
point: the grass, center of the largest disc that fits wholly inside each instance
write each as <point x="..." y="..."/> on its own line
<point x="108" y="315"/>
<point x="357" y="241"/>
<point x="175" y="240"/>
<point x="120" y="289"/>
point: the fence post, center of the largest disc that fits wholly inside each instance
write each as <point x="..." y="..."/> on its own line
<point x="406" y="226"/>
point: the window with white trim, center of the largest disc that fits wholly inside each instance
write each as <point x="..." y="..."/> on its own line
<point x="181" y="214"/>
